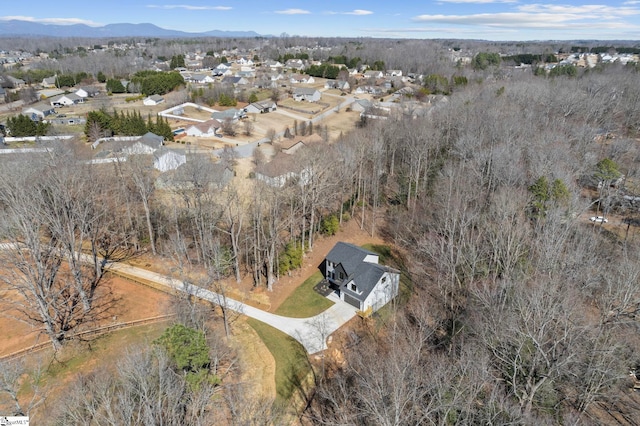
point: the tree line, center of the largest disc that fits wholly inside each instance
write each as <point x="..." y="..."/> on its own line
<point x="102" y="124"/>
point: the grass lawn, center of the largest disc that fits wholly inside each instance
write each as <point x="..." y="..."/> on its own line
<point x="304" y="301"/>
<point x="80" y="357"/>
<point x="292" y="366"/>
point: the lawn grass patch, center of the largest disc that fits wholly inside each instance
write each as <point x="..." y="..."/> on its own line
<point x="305" y="302"/>
<point x="292" y="365"/>
<point x="77" y="356"/>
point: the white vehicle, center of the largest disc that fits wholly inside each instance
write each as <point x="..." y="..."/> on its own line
<point x="598" y="219"/>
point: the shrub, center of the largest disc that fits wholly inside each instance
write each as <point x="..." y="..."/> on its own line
<point x="189" y="351"/>
<point x="291" y="258"/>
<point x="330" y="225"/>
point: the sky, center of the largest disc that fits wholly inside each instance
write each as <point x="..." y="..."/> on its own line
<point x="511" y="20"/>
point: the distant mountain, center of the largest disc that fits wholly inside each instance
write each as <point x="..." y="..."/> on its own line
<point x="34" y="29"/>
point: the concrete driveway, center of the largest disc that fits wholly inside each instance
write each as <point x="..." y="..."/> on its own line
<point x="311" y="332"/>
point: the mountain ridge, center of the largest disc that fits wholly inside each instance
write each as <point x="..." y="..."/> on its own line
<point x="35" y="29"/>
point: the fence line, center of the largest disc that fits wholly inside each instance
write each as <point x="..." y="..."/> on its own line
<point x="95" y="332"/>
<point x="142" y="281"/>
<point x="306" y="111"/>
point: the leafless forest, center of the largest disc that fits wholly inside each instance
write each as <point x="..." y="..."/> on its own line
<point x="517" y="309"/>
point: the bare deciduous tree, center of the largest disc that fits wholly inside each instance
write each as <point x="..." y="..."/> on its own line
<point x="60" y="231"/>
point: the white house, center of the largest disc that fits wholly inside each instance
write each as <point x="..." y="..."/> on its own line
<point x="295" y="64"/>
<point x="373" y="74"/>
<point x="358" y="279"/>
<point x="87" y="92"/>
<point x="272" y="64"/>
<point x="302" y="79"/>
<point x="260" y="107"/>
<point x="280" y="170"/>
<point x="222" y="72"/>
<point x="201" y="79"/>
<point x="69" y="99"/>
<point x="153" y="100"/>
<point x="245" y="61"/>
<point x="233" y="114"/>
<point x="337" y="84"/>
<point x="205" y="129"/>
<point x="246" y="74"/>
<point x="235" y="81"/>
<point x="306" y="94"/>
<point x="222" y="69"/>
<point x="361" y="105"/>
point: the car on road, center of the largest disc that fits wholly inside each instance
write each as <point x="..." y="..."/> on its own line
<point x="598" y="219"/>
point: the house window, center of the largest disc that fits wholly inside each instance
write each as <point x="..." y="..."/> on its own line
<point x="384" y="280"/>
<point x="353" y="287"/>
<point x="342" y="275"/>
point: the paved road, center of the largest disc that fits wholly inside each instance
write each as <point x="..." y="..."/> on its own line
<point x="311" y="332"/>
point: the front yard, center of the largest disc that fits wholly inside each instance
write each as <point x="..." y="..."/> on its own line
<point x="305" y="302"/>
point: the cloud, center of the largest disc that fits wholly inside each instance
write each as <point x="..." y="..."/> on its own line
<point x="56" y="21"/>
<point x="188" y="7"/>
<point x="542" y="16"/>
<point x="355" y="12"/>
<point x="478" y="1"/>
<point x="293" y="12"/>
<point x="455" y="32"/>
<point x="590" y="10"/>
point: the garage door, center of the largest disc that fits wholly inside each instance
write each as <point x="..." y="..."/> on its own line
<point x="352" y="301"/>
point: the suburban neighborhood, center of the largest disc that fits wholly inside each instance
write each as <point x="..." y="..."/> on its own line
<point x="280" y="230"/>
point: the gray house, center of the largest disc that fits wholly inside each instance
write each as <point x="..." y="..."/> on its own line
<point x="232" y="114"/>
<point x="145" y="144"/>
<point x="282" y="169"/>
<point x="306" y="94"/>
<point x="357" y="278"/>
<point x="38" y="111"/>
<point x="260" y="107"/>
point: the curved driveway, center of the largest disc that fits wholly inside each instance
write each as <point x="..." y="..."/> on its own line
<point x="311" y="332"/>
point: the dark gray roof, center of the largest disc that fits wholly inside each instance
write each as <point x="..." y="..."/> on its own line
<point x="232" y="80"/>
<point x="366" y="276"/>
<point x="152" y="140"/>
<point x="349" y="255"/>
